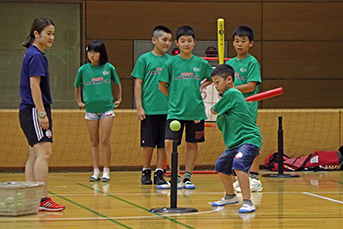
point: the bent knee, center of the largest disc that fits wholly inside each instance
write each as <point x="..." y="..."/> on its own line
<point x="222" y="167"/>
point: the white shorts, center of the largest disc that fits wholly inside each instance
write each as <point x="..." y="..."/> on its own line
<point x="98" y="116"/>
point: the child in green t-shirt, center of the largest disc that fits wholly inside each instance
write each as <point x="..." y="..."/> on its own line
<point x="241" y="136"/>
<point x="152" y="104"/>
<point x="247" y="78"/>
<point x="96" y="78"/>
<point x="182" y="79"/>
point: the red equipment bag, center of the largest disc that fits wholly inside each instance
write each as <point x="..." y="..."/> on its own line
<point x="320" y="160"/>
<point x="271" y="161"/>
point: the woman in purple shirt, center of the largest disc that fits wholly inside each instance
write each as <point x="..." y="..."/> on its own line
<point x="34" y="109"/>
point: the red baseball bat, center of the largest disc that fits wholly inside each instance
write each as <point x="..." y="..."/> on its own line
<point x="265" y="95"/>
<point x="260" y="96"/>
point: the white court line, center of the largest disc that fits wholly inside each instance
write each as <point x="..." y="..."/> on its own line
<point x="323" y="197"/>
<point x="47" y="218"/>
<point x="181" y="193"/>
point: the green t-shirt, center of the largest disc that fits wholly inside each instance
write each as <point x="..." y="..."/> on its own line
<point x="184" y="77"/>
<point x="148" y="68"/>
<point x="235" y="122"/>
<point x="97" y="91"/>
<point x="247" y="70"/>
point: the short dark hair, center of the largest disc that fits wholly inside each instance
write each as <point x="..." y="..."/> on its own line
<point x="224" y="71"/>
<point x="159" y="28"/>
<point x="98" y="46"/>
<point x="243" y="31"/>
<point x="185" y="31"/>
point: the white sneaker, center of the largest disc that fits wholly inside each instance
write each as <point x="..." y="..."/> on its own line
<point x="224" y="201"/>
<point x="189" y="185"/>
<point x="94" y="178"/>
<point x="167" y="185"/>
<point x="105" y="177"/>
<point x="255" y="185"/>
<point x="247" y="209"/>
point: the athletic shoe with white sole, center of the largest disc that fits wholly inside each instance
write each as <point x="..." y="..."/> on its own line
<point x="224" y="201"/>
<point x="158" y="177"/>
<point x="105" y="177"/>
<point x="255" y="185"/>
<point x="189" y="185"/>
<point x="94" y="178"/>
<point x="167" y="185"/>
<point x="50" y="206"/>
<point x="146" y="177"/>
<point x="247" y="208"/>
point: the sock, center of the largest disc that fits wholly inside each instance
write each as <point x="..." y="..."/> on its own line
<point x="178" y="179"/>
<point x="247" y="202"/>
<point x="187" y="176"/>
<point x="96" y="171"/>
<point x="157" y="169"/>
<point x="227" y="196"/>
<point x="254" y="175"/>
<point x="43" y="199"/>
<point x="146" y="169"/>
<point x="107" y="171"/>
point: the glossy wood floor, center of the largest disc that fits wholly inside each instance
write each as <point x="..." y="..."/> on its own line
<point x="314" y="200"/>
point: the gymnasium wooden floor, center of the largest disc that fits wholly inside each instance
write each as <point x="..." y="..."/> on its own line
<point x="314" y="200"/>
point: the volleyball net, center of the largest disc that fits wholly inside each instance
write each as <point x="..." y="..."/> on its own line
<point x="305" y="131"/>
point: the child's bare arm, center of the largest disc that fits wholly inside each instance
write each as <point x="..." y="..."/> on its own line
<point x="78" y="98"/>
<point x="138" y="97"/>
<point x="246" y="88"/>
<point x="205" y="84"/>
<point x="163" y="88"/>
<point x="118" y="95"/>
<point x="213" y="112"/>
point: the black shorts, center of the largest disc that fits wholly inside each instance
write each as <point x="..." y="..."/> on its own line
<point x="152" y="131"/>
<point x="29" y="123"/>
<point x="194" y="131"/>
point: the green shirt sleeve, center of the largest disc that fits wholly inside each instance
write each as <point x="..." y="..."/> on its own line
<point x="224" y="104"/>
<point x="138" y="71"/>
<point x="254" y="73"/>
<point x="207" y="71"/>
<point x="166" y="72"/>
<point x="78" y="80"/>
<point x="114" y="75"/>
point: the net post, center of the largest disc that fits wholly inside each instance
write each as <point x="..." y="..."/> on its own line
<point x="280" y="173"/>
<point x="174" y="169"/>
<point x="280" y="146"/>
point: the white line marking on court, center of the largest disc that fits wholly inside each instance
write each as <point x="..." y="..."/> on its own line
<point x="323" y="197"/>
<point x="195" y="193"/>
<point x="47" y="218"/>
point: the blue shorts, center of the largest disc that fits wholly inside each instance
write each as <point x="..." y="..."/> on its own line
<point x="240" y="158"/>
<point x="98" y="116"/>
